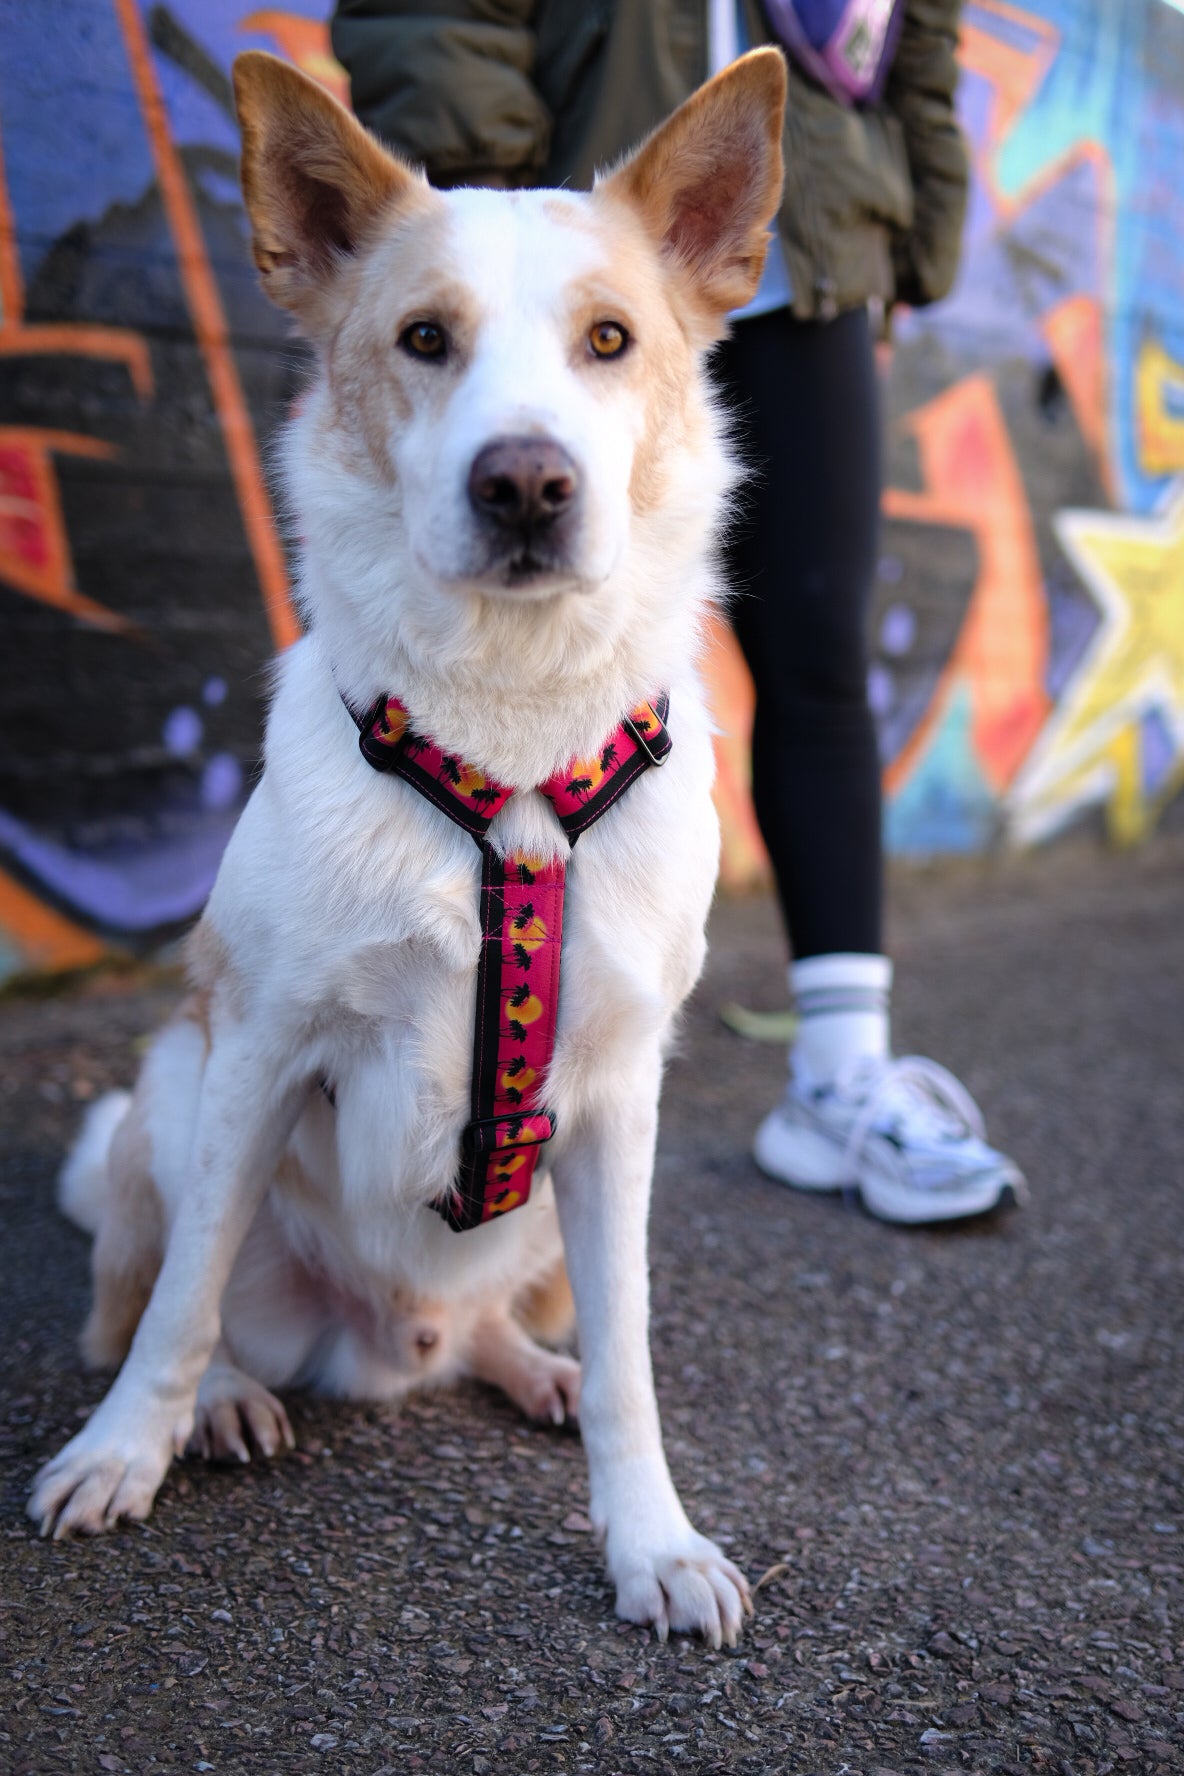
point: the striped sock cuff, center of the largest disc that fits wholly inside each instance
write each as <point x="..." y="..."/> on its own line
<point x="842" y="1004"/>
<point x="832" y="1001"/>
<point x="849" y="972"/>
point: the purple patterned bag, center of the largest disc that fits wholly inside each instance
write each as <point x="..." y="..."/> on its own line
<point x="846" y="45"/>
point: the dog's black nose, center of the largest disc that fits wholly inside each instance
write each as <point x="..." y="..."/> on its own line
<point x="523" y="484"/>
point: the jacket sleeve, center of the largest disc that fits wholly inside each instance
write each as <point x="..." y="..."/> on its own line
<point x="920" y="93"/>
<point x="448" y="84"/>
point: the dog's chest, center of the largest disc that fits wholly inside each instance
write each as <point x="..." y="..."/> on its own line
<point x="412" y="992"/>
<point x="383" y="934"/>
<point x="403" y="1060"/>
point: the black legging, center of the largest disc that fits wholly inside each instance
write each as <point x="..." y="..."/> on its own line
<point x="801" y="560"/>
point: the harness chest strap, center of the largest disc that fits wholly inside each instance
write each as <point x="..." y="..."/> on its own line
<point x="521" y="937"/>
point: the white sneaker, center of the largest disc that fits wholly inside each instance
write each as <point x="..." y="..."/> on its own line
<point x="904" y="1133"/>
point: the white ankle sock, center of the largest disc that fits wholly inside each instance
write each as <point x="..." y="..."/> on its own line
<point x="842" y="1001"/>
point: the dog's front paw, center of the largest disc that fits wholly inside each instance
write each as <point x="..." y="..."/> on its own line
<point x="95" y="1481"/>
<point x="544" y="1384"/>
<point x="236" y="1415"/>
<point x="547" y="1387"/>
<point x="685" y="1584"/>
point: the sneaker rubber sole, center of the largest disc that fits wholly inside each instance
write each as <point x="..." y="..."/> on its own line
<point x="807" y="1161"/>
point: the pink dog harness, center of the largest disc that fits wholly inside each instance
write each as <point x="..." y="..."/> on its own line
<point x="521" y="938"/>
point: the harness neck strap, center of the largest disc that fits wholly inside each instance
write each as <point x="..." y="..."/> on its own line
<point x="579" y="795"/>
<point x="521" y="937"/>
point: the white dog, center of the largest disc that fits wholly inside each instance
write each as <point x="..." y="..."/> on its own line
<point x="506" y="481"/>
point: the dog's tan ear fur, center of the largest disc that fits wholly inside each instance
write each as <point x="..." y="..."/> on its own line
<point x="314" y="182"/>
<point x="708" y="181"/>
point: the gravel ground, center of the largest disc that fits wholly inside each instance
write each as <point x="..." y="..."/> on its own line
<point x="956" y="1455"/>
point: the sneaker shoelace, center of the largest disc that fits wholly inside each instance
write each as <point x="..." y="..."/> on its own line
<point x="924" y="1099"/>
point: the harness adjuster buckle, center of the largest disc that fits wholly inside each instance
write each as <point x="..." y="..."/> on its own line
<point x="508" y="1133"/>
<point x="644" y="744"/>
<point x="375" y="749"/>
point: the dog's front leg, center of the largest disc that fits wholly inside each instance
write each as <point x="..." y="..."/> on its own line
<point x="664" y="1571"/>
<point x="114" y="1466"/>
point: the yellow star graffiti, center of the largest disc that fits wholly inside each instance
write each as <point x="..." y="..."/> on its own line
<point x="1091" y="751"/>
<point x="1159" y="392"/>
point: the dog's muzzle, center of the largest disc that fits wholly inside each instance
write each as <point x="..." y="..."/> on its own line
<point x="526" y="496"/>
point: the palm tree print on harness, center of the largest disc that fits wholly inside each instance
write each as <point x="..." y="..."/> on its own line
<point x="529" y="1008"/>
<point x="593" y="774"/>
<point x="522" y="1076"/>
<point x="530" y="934"/>
<point x="467" y="780"/>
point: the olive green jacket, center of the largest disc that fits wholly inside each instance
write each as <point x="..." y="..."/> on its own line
<point x="543" y="92"/>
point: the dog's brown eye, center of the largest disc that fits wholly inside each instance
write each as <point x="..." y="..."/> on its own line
<point x="608" y="339"/>
<point x="423" y="340"/>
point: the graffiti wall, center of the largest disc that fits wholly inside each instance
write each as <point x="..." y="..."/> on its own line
<point x="1029" y="620"/>
<point x="1038" y="420"/>
<point x="1029" y="614"/>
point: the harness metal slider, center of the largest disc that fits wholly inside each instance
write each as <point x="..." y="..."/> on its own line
<point x="524" y="1129"/>
<point x="655" y="751"/>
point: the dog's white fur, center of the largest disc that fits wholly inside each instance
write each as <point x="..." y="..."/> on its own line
<point x="341" y="938"/>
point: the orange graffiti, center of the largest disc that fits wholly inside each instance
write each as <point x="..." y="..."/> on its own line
<point x="212" y="333"/>
<point x="79" y="339"/>
<point x="57" y="338"/>
<point x="304" y="41"/>
<point x="743" y="861"/>
<point x="34" y="551"/>
<point x="1015" y="76"/>
<point x="46" y="940"/>
<point x="1073" y="333"/>
<point x="973" y="481"/>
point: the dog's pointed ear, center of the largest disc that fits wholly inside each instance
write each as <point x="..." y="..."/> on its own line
<point x="707" y="182"/>
<point x="313" y="180"/>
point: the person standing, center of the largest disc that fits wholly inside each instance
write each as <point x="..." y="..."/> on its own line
<point x="545" y="92"/>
